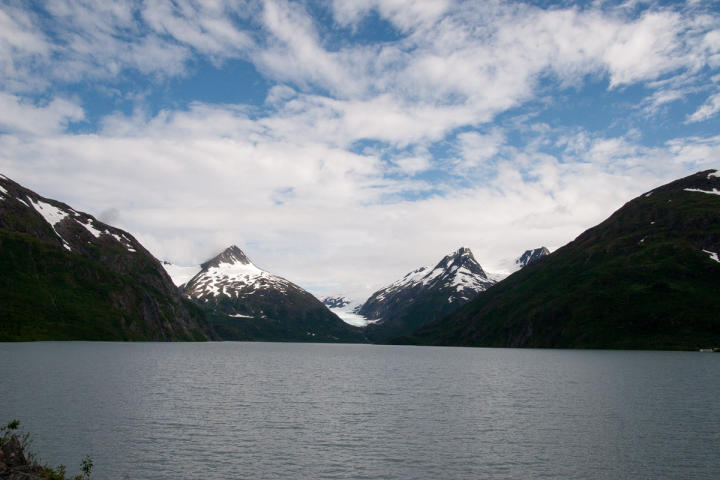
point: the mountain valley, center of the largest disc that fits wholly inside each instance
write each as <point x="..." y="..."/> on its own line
<point x="644" y="278"/>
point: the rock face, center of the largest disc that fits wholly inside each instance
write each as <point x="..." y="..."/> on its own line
<point x="64" y="275"/>
<point x="531" y="256"/>
<point x="18" y="464"/>
<point x="12" y="453"/>
<point x="647" y="277"/>
<point x="248" y="303"/>
<point x="424" y="295"/>
<point x="336" y="301"/>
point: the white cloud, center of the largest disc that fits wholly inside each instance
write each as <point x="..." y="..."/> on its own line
<point x="645" y="49"/>
<point x="104" y="40"/>
<point x="319" y="215"/>
<point x="485" y="57"/>
<point x="412" y="165"/>
<point x="204" y="26"/>
<point x="660" y="98"/>
<point x="20" y="45"/>
<point x="17" y="115"/>
<point x="706" y="110"/>
<point x="476" y="149"/>
<point x="404" y="14"/>
<point x="294" y="51"/>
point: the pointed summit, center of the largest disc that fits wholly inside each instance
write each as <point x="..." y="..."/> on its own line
<point x="248" y="303"/>
<point x="425" y="294"/>
<point x="231" y="255"/>
<point x="461" y="261"/>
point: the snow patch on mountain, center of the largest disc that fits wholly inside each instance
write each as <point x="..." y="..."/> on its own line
<point x="52" y="216"/>
<point x="354" y="319"/>
<point x="714" y="191"/>
<point x="90" y="228"/>
<point x="233" y="274"/>
<point x="455" y="280"/>
<point x="347" y="309"/>
<point x="713" y="255"/>
<point x="56" y="213"/>
<point x="458" y="270"/>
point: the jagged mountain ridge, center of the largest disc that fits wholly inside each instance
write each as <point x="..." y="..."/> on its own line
<point x="530" y="256"/>
<point x="647" y="277"/>
<point x="424" y="295"/>
<point x="248" y="303"/>
<point x="65" y="275"/>
<point x="337" y="301"/>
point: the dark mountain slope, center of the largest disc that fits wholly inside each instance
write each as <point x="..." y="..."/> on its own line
<point x="647" y="277"/>
<point x="424" y="295"/>
<point x="66" y="276"/>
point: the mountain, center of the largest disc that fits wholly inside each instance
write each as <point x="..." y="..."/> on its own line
<point x="530" y="256"/>
<point x="424" y="295"/>
<point x="347" y="309"/>
<point x="647" y="277"/>
<point x="64" y="275"/>
<point x="248" y="303"/>
<point x="508" y="266"/>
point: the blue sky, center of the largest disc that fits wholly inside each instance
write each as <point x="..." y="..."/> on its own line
<point x="342" y="143"/>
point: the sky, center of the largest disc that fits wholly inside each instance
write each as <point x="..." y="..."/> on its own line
<point x="344" y="143"/>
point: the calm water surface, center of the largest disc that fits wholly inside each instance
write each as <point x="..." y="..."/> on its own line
<point x="268" y="410"/>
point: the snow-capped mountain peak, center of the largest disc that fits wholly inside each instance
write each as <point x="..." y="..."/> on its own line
<point x="458" y="269"/>
<point x="255" y="304"/>
<point x="462" y="265"/>
<point x="230" y="256"/>
<point x="232" y="273"/>
<point x="426" y="293"/>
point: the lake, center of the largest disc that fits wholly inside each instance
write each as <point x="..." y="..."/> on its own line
<point x="282" y="410"/>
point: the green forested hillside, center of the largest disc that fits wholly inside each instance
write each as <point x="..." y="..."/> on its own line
<point x="647" y="277"/>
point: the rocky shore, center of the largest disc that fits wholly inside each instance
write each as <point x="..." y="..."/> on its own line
<point x="18" y="464"/>
<point x="14" y="464"/>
